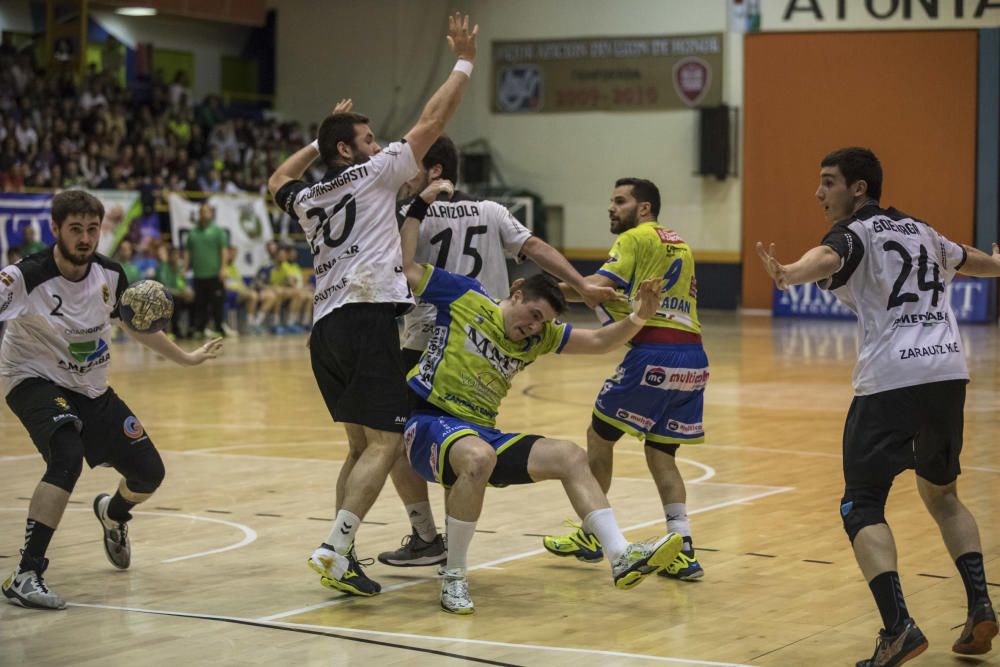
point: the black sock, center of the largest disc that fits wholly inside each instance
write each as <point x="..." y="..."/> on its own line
<point x="119" y="508"/>
<point x="970" y="566"/>
<point x="36" y="542"/>
<point x="888" y="595"/>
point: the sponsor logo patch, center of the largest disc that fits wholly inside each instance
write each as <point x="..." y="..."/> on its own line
<point x="132" y="428"/>
<point x="633" y="418"/>
<point x="675" y="379"/>
<point x="686" y="429"/>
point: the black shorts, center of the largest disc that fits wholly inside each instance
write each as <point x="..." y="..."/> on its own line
<point x="917" y="427"/>
<point x="511" y="467"/>
<point x="356" y="362"/>
<point x="108" y="428"/>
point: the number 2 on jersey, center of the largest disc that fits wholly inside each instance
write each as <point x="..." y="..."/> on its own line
<point x="350" y="208"/>
<point x="897" y="297"/>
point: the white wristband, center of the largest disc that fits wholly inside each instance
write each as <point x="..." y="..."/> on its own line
<point x="315" y="144"/>
<point x="635" y="319"/>
<point x="463" y="66"/>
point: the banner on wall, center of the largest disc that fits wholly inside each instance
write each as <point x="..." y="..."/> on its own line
<point x="19" y="211"/>
<point x="970" y="298"/>
<point x="243" y="217"/>
<point x="608" y="74"/>
<point x="811" y="15"/>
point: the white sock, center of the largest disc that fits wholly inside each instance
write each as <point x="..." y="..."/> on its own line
<point x="459" y="538"/>
<point x="342" y="534"/>
<point x="422" y="520"/>
<point x="677" y="520"/>
<point x="603" y="524"/>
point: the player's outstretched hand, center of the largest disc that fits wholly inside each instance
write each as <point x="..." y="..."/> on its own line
<point x="343" y="106"/>
<point x="648" y="298"/>
<point x="775" y="269"/>
<point x="595" y="295"/>
<point x="435" y="188"/>
<point x="461" y="41"/>
<point x="209" y="350"/>
<point x="996" y="252"/>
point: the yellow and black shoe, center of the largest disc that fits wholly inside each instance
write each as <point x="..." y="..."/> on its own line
<point x="343" y="573"/>
<point x="642" y="559"/>
<point x="580" y="544"/>
<point x="685" y="567"/>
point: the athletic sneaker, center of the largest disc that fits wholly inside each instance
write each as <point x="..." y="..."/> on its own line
<point x="413" y="551"/>
<point x="342" y="573"/>
<point x="455" y="592"/>
<point x="642" y="559"/>
<point x="26" y="588"/>
<point x="896" y="649"/>
<point x="980" y="629"/>
<point x="685" y="567"/>
<point x="581" y="544"/>
<point x="116" y="544"/>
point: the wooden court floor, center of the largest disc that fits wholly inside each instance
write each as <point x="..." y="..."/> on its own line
<point x="219" y="577"/>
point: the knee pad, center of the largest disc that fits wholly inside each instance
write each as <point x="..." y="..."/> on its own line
<point x="65" y="460"/>
<point x="146" y="471"/>
<point x="862" y="507"/>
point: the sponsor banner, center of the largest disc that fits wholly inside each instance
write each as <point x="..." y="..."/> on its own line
<point x="608" y="73"/>
<point x="812" y="15"/>
<point x="971" y="300"/>
<point x="18" y="211"/>
<point x="244" y="217"/>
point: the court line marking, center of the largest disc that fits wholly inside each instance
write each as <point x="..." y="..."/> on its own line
<point x="291" y="627"/>
<point x="249" y="534"/>
<point x="527" y="554"/>
<point x="406" y="635"/>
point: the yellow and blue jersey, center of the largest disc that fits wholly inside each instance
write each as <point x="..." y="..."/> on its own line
<point x="469" y="362"/>
<point x="651" y="251"/>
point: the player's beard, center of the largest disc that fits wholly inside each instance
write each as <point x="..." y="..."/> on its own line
<point x="624" y="223"/>
<point x="72" y="257"/>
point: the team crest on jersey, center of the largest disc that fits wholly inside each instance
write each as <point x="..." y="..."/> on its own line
<point x="6" y="278"/>
<point x="62" y="403"/>
<point x="132" y="428"/>
<point x="105" y="293"/>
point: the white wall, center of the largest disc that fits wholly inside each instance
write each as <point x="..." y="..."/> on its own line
<point x="380" y="52"/>
<point x="207" y="40"/>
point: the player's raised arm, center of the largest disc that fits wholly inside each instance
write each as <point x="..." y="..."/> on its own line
<point x="592" y="293"/>
<point x="410" y="230"/>
<point x="605" y="339"/>
<point x="440" y="108"/>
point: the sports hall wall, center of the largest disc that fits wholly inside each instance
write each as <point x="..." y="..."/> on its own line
<point x="571" y="159"/>
<point x="910" y="96"/>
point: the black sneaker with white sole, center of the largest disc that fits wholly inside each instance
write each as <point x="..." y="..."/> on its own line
<point x="414" y="551"/>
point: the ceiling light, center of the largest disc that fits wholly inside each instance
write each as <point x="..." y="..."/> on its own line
<point x="136" y="11"/>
